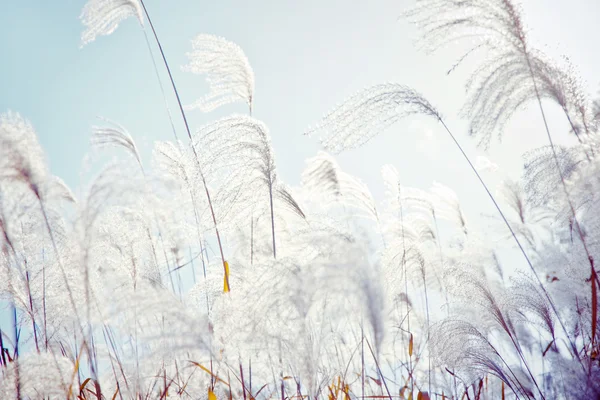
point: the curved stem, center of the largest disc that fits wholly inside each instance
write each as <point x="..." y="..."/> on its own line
<point x="187" y="129"/>
<point x="162" y="89"/>
<point x="593" y="275"/>
<point x="513" y="234"/>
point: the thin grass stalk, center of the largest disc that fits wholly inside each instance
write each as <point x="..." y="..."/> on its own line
<point x="252" y="240"/>
<point x="187" y="128"/>
<point x="428" y="330"/>
<point x="110" y="344"/>
<point x="76" y="356"/>
<point x="516" y="239"/>
<point x="44" y="297"/>
<point x="112" y="365"/>
<point x="8" y="244"/>
<point x="154" y="255"/>
<point x="593" y="275"/>
<point x="520" y="247"/>
<point x="441" y="254"/>
<point x="30" y="298"/>
<point x="167" y="262"/>
<point x="35" y="336"/>
<point x="272" y="218"/>
<point x="362" y="360"/>
<point x="69" y="291"/>
<point x="5" y="249"/>
<point x="517" y="383"/>
<point x="379" y="370"/>
<point x="405" y="271"/>
<point x="522" y="356"/>
<point x="178" y="277"/>
<point x="162" y="89"/>
<point x="204" y="274"/>
<point x="2" y="355"/>
<point x="16" y="353"/>
<point x="242" y="378"/>
<point x="192" y="263"/>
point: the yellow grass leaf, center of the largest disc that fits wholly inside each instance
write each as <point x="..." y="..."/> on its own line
<point x="75" y="369"/>
<point x="211" y="395"/>
<point x="203" y="368"/>
<point x="402" y="391"/>
<point x="226" y="277"/>
<point x="410" y="345"/>
<point x="84" y="384"/>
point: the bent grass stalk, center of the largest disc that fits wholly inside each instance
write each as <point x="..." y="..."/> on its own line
<point x="187" y="128"/>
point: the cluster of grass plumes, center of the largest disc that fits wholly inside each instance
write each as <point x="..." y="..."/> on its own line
<point x="203" y="275"/>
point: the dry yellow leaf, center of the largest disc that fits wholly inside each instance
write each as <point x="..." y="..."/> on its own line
<point x="226" y="278"/>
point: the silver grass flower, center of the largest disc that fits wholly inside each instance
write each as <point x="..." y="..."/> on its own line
<point x="236" y="153"/>
<point x="527" y="216"/>
<point x="102" y="17"/>
<point x="40" y="375"/>
<point x="324" y="179"/>
<point x="541" y="176"/>
<point x="367" y="113"/>
<point x="115" y="135"/>
<point x="512" y="75"/>
<point x="228" y="72"/>
<point x="21" y="156"/>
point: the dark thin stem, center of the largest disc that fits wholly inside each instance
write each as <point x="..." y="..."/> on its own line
<point x="362" y="361"/>
<point x="187" y="129"/>
<point x="2" y="355"/>
<point x="250" y="376"/>
<point x="513" y="234"/>
<point x="272" y="218"/>
<point x="35" y="336"/>
<point x="593" y="275"/>
<point x="428" y="331"/>
<point x="16" y="355"/>
<point x="162" y="89"/>
<point x="69" y="291"/>
<point x="379" y="370"/>
<point x="162" y="53"/>
<point x="412" y="386"/>
<point x="252" y="240"/>
<point x="242" y="378"/>
<point x="44" y="297"/>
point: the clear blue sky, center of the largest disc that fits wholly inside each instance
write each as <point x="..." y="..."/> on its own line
<point x="307" y="56"/>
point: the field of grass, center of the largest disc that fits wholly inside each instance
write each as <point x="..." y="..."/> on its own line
<point x="201" y="274"/>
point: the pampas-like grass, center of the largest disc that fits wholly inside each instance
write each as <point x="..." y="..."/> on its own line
<point x="325" y="292"/>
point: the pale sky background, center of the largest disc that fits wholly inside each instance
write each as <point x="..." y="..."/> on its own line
<point x="307" y="56"/>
